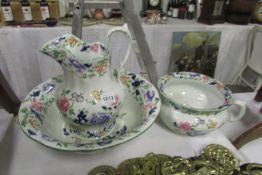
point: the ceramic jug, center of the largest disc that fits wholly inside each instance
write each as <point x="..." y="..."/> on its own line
<point x="90" y="97"/>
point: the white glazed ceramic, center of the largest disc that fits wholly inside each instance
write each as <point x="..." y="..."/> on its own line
<point x="41" y="120"/>
<point x="89" y="97"/>
<point x="196" y="104"/>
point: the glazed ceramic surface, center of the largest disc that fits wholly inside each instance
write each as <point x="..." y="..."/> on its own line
<point x="89" y="98"/>
<point x="195" y="104"/>
<point x="41" y="120"/>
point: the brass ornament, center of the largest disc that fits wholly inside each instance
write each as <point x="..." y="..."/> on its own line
<point x="214" y="160"/>
<point x="258" y="12"/>
<point x="102" y="170"/>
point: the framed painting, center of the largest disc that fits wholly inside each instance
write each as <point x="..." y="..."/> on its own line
<point x="195" y="52"/>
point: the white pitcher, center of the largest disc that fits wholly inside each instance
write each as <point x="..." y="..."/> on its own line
<point x="90" y="96"/>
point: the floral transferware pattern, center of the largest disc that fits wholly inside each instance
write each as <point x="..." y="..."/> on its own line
<point x="192" y="121"/>
<point x="201" y="78"/>
<point x="83" y="116"/>
<point x="77" y="131"/>
<point x="198" y="127"/>
<point x="33" y="110"/>
<point x="89" y="97"/>
<point x="92" y="61"/>
<point x="139" y="89"/>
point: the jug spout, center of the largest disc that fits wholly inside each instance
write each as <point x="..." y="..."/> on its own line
<point x="61" y="48"/>
<point x="86" y="60"/>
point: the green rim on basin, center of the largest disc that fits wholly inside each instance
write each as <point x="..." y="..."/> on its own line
<point x="33" y="122"/>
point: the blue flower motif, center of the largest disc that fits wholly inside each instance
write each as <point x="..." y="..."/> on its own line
<point x="31" y="132"/>
<point x="149" y="95"/>
<point x="81" y="118"/>
<point x="91" y="134"/>
<point x="66" y="133"/>
<point x="161" y="87"/>
<point x="99" y="118"/>
<point x="35" y="93"/>
<point x="84" y="48"/>
<point x="194" y="74"/>
<point x="121" y="131"/>
<point x="137" y="83"/>
<point x="76" y="65"/>
<point x="48" y="88"/>
<point x="133" y="76"/>
<point x="37" y="115"/>
<point x="200" y="121"/>
<point x="60" y="61"/>
<point x="137" y="92"/>
<point x="57" y="41"/>
<point x="212" y="83"/>
<point x="152" y="111"/>
<point x="88" y="65"/>
<point x="47" y="138"/>
<point x="104" y="142"/>
<point x="102" y="47"/>
<point x="226" y="93"/>
<point x="176" y="125"/>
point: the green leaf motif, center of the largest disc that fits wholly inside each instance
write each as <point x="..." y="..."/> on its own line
<point x="59" y="144"/>
<point x="91" y="75"/>
<point x="65" y="145"/>
<point x="115" y="73"/>
<point x="24" y="110"/>
<point x="57" y="79"/>
<point x="24" y="123"/>
<point x="84" y="76"/>
<point x="71" y="111"/>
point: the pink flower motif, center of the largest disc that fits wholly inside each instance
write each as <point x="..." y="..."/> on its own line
<point x="148" y="106"/>
<point x="94" y="48"/>
<point x="205" y="78"/>
<point x="36" y="105"/>
<point x="63" y="104"/>
<point x="185" y="126"/>
<point x="117" y="99"/>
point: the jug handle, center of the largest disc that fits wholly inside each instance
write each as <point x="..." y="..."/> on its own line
<point x="241" y="112"/>
<point x="123" y="29"/>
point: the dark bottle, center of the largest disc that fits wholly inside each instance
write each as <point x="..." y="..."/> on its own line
<point x="26" y="10"/>
<point x="143" y="11"/>
<point x="191" y="9"/>
<point x="258" y="96"/>
<point x="7" y="12"/>
<point x="182" y="9"/>
<point x="175" y="9"/>
<point x="44" y="9"/>
<point x="169" y="9"/>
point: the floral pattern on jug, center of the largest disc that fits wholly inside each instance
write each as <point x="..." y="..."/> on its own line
<point x="85" y="67"/>
<point x="89" y="96"/>
<point x="83" y="116"/>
